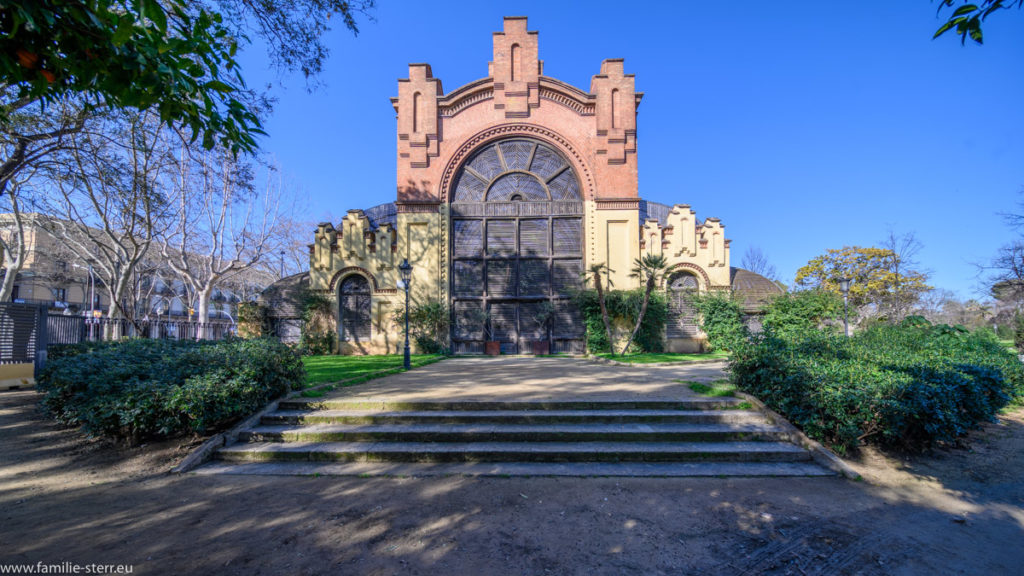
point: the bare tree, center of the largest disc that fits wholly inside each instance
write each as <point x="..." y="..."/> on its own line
<point x="107" y="206"/>
<point x="757" y="262"/>
<point x="223" y="226"/>
<point x="901" y="274"/>
<point x="30" y="134"/>
<point x="1005" y="274"/>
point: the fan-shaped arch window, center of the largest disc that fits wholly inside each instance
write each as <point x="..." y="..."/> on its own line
<point x="682" y="317"/>
<point x="354" y="309"/>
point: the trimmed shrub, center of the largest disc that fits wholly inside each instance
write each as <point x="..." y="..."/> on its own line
<point x="137" y="389"/>
<point x="908" y="386"/>
<point x="624" y="305"/>
<point x="721" y="319"/>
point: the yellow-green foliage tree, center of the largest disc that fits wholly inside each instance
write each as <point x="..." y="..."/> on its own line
<point x="881" y="277"/>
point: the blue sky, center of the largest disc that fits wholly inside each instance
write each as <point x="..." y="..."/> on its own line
<point x="815" y="126"/>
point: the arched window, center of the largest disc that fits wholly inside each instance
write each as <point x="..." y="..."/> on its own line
<point x="354" y="309"/>
<point x="416" y="112"/>
<point x="516" y="72"/>
<point x="682" y="318"/>
<point x="616" y="109"/>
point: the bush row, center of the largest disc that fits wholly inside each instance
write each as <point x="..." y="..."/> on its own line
<point x="907" y="386"/>
<point x="138" y="389"/>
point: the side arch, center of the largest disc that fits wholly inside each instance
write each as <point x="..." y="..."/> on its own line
<point x="691" y="268"/>
<point x="333" y="286"/>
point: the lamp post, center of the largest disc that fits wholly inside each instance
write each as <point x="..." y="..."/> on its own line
<point x="282" y="263"/>
<point x="844" y="287"/>
<point x="406" y="271"/>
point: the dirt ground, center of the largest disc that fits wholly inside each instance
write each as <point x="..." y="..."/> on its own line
<point x="64" y="498"/>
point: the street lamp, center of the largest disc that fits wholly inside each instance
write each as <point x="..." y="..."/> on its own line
<point x="406" y="271"/>
<point x="844" y="287"/>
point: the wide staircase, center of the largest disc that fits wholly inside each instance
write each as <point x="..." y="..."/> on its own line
<point x="692" y="437"/>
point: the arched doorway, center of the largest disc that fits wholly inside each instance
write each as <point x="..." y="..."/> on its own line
<point x="354" y="309"/>
<point x="682" y="317"/>
<point x="517" y="249"/>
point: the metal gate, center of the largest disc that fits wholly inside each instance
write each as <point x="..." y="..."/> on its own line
<point x="517" y="250"/>
<point x="682" y="317"/>
<point x="23" y="334"/>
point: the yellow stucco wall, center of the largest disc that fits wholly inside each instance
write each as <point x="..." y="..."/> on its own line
<point x="613" y="236"/>
<point x="16" y="376"/>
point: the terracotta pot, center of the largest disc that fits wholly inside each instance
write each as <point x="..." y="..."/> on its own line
<point x="492" y="348"/>
<point x="541" y="348"/>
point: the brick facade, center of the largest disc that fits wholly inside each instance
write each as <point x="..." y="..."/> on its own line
<point x="594" y="131"/>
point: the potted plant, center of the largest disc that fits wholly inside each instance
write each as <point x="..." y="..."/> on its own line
<point x="542" y="316"/>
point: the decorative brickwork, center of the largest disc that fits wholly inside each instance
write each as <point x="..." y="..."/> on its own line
<point x="469" y="160"/>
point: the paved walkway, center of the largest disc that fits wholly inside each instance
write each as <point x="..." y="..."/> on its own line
<point x="525" y="378"/>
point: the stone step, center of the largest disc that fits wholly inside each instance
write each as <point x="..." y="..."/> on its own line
<point x="385" y="405"/>
<point x="517" y="469"/>
<point x="577" y="432"/>
<point x="294" y="417"/>
<point x="514" y="452"/>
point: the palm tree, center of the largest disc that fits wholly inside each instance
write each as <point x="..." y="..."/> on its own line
<point x="649" y="270"/>
<point x="596" y="270"/>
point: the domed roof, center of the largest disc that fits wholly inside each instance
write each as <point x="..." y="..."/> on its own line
<point x="753" y="289"/>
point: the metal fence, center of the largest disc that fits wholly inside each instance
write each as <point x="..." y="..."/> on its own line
<point x="76" y="329"/>
<point x="26" y="330"/>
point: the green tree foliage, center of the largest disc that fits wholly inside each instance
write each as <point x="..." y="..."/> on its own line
<point x="253" y="320"/>
<point x="880" y="278"/>
<point x="319" y="328"/>
<point x="802" y="310"/>
<point x="292" y="30"/>
<point x="967" y="17"/>
<point x="428" y="325"/>
<point x="601" y="286"/>
<point x="1018" y="332"/>
<point x="130" y="54"/>
<point x="649" y="269"/>
<point x="625" y="306"/>
<point x="721" y="319"/>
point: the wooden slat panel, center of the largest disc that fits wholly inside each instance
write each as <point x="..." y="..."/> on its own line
<point x="468" y="278"/>
<point x="468" y="238"/>
<point x="500" y="278"/>
<point x="501" y="237"/>
<point x="533" y="237"/>
<point x="503" y="321"/>
<point x="568" y="236"/>
<point x="533" y="278"/>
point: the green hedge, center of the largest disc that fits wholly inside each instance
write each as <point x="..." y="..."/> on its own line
<point x="907" y="386"/>
<point x="624" y="304"/>
<point x="138" y="389"/>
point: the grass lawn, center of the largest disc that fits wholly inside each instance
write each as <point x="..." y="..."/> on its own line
<point x="320" y="369"/>
<point x="717" y="389"/>
<point x="654" y="358"/>
<point x="1009" y="345"/>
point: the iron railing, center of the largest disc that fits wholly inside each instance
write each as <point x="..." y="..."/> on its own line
<point x="75" y="329"/>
